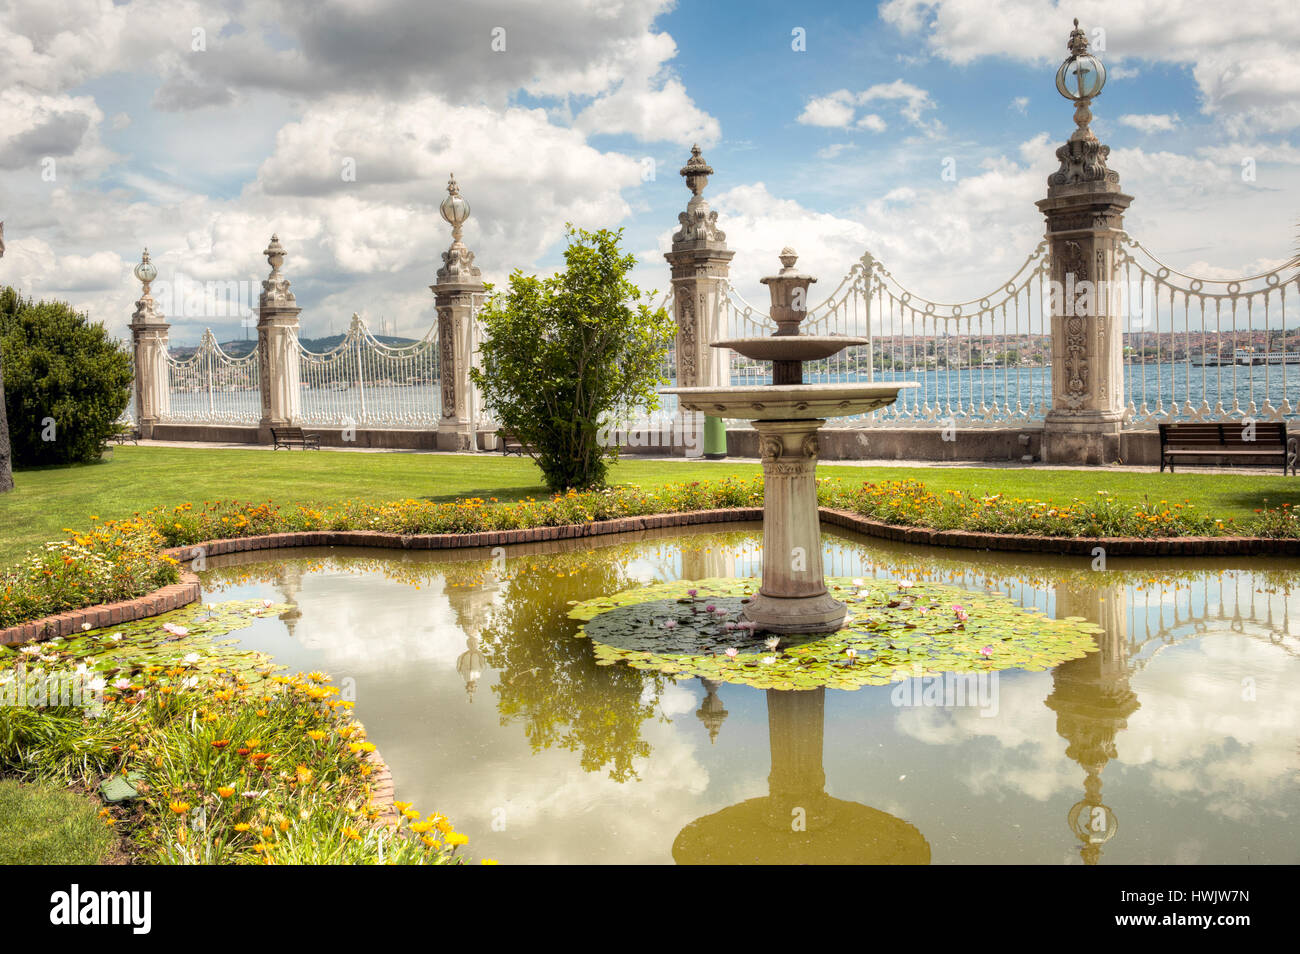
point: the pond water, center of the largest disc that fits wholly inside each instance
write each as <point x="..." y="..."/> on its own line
<point x="1177" y="742"/>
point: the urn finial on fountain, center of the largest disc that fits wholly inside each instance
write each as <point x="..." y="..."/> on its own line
<point x="789" y="291"/>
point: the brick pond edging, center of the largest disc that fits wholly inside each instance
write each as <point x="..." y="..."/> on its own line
<point x="187" y="590"/>
<point x="162" y="600"/>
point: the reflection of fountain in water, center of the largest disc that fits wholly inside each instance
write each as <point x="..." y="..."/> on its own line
<point x="797" y="822"/>
<point x="472" y="606"/>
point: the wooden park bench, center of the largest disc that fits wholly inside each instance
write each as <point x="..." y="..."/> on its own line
<point x="125" y="433"/>
<point x="510" y="444"/>
<point x="1264" y="443"/>
<point x="291" y="437"/>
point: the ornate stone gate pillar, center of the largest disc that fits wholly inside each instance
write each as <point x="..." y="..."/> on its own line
<point x="459" y="283"/>
<point x="277" y="347"/>
<point x="1085" y="219"/>
<point x="149" y="341"/>
<point x="700" y="263"/>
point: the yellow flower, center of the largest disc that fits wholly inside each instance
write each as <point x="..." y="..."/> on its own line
<point x="351" y="834"/>
<point x="411" y="813"/>
<point x="488" y="861"/>
<point x="316" y="735"/>
<point x="179" y="807"/>
<point x="243" y="826"/>
<point x="225" y="791"/>
<point x="455" y="839"/>
<point x="267" y="832"/>
<point x="304" y="775"/>
<point x="421" y="827"/>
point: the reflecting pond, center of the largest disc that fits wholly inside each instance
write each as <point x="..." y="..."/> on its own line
<point x="1177" y="742"/>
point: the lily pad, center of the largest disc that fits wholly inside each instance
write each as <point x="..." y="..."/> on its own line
<point x="893" y="633"/>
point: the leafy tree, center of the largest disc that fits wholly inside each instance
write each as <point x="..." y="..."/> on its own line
<point x="66" y="381"/>
<point x="564" y="356"/>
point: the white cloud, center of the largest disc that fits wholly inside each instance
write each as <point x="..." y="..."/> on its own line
<point x="1244" y="64"/>
<point x="1150" y="122"/>
<point x="1020" y="104"/>
<point x="835" y="110"/>
<point x="838" y="109"/>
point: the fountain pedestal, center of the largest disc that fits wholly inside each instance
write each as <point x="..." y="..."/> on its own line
<point x="793" y="597"/>
<point x="787" y="414"/>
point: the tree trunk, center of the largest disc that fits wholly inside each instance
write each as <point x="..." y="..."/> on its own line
<point x="6" y="457"/>
<point x="6" y="454"/>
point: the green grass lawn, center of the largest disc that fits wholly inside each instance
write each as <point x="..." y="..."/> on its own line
<point x="45" y="825"/>
<point x="133" y="479"/>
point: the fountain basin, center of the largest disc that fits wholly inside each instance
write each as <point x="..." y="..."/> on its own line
<point x="790" y="347"/>
<point x="792" y="402"/>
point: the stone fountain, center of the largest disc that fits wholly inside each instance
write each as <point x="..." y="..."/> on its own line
<point x="787" y="415"/>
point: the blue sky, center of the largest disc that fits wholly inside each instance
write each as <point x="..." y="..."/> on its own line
<point x="202" y="153"/>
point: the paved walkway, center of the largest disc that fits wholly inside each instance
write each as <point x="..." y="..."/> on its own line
<point x="872" y="462"/>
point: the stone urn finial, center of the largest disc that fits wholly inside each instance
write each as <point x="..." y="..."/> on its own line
<point x="789" y="291"/>
<point x="696" y="171"/>
<point x="275" y="287"/>
<point x="274" y="254"/>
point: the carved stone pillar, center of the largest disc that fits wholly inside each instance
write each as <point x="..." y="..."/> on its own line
<point x="277" y="347"/>
<point x="1084" y="209"/>
<point x="149" y="341"/>
<point x="458" y="287"/>
<point x="700" y="263"/>
<point x="793" y="597"/>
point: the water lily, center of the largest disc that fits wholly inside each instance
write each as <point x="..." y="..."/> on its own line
<point x="710" y="608"/>
<point x="772" y="642"/>
<point x="122" y="684"/>
<point x="191" y="658"/>
<point x="85" y="627"/>
<point x="732" y="652"/>
<point x="768" y="660"/>
<point x="116" y="637"/>
<point x="670" y="624"/>
<point x="852" y="654"/>
<point x="905" y="584"/>
<point x="986" y="651"/>
<point x="691" y="593"/>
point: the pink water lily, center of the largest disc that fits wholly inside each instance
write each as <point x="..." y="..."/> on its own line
<point x="670" y="624"/>
<point x="986" y="651"/>
<point x="691" y="593"/>
<point x="732" y="652"/>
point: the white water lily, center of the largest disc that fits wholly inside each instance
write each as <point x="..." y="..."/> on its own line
<point x="30" y="650"/>
<point x="191" y="658"/>
<point x="122" y="684"/>
<point x="190" y="683"/>
<point x="96" y="685"/>
<point x="905" y="584"/>
<point x="768" y="660"/>
<point x="116" y="637"/>
<point x="85" y="627"/>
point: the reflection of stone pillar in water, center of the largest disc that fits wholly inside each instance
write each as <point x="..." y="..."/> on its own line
<point x="711" y="563"/>
<point x="288" y="580"/>
<point x="1092" y="701"/>
<point x="793" y="598"/>
<point x="711" y="711"/>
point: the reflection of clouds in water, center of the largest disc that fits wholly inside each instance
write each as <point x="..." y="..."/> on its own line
<point x="554" y="812"/>
<point x="1195" y="733"/>
<point x="1028" y="757"/>
<point x="364" y="622"/>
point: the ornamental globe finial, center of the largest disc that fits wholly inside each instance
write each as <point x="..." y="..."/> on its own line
<point x="1082" y="75"/>
<point x="146" y="271"/>
<point x="454" y="208"/>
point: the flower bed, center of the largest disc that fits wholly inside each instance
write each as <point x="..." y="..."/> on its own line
<point x="232" y="762"/>
<point x="118" y="560"/>
<point x="111" y="562"/>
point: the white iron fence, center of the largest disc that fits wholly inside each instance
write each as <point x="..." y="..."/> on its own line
<point x="1207" y="349"/>
<point x="213" y="387"/>
<point x="981" y="362"/>
<point x="364" y="382"/>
